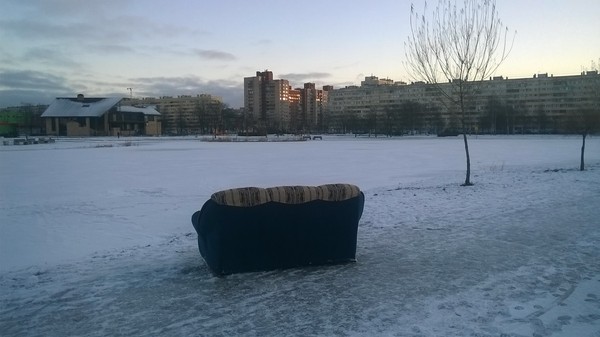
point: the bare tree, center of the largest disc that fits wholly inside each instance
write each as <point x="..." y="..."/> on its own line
<point x="586" y="120"/>
<point x="455" y="49"/>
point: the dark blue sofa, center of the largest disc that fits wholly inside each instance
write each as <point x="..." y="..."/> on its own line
<point x="256" y="229"/>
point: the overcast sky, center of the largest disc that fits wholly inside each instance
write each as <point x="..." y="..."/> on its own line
<point x="52" y="48"/>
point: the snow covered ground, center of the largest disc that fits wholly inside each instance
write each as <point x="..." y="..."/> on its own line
<point x="96" y="239"/>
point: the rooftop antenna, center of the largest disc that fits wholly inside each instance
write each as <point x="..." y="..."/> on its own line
<point x="130" y="93"/>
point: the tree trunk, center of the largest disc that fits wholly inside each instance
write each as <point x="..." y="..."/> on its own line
<point x="468" y="176"/>
<point x="581" y="165"/>
<point x="464" y="132"/>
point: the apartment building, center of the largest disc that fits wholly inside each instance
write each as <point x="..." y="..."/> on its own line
<point x="295" y="99"/>
<point x="274" y="106"/>
<point x="187" y="114"/>
<point x="542" y="103"/>
<point x="267" y="102"/>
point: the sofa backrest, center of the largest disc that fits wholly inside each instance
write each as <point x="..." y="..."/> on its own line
<point x="245" y="196"/>
<point x="252" y="196"/>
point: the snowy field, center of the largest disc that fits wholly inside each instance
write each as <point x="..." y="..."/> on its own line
<point x="96" y="239"/>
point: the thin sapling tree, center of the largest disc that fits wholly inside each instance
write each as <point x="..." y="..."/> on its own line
<point x="454" y="48"/>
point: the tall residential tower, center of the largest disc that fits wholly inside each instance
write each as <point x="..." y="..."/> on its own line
<point x="267" y="102"/>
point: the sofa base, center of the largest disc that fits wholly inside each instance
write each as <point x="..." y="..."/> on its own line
<point x="277" y="236"/>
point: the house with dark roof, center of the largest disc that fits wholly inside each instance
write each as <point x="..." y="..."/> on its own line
<point x="99" y="116"/>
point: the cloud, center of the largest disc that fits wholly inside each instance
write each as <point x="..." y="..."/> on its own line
<point x="17" y="87"/>
<point x="231" y="91"/>
<point x="232" y="96"/>
<point x="70" y="8"/>
<point x="39" y="30"/>
<point x="305" y="77"/>
<point x="8" y="58"/>
<point x="28" y="80"/>
<point x="49" y="56"/>
<point x="98" y="29"/>
<point x="264" y="42"/>
<point x="338" y="85"/>
<point x="214" y="55"/>
<point x="84" y="23"/>
<point x="113" y="48"/>
<point x="10" y="98"/>
<point x="34" y="87"/>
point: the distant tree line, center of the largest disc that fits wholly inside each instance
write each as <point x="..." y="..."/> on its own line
<point x="405" y="118"/>
<point x="212" y="118"/>
<point x="497" y="117"/>
<point x="506" y="118"/>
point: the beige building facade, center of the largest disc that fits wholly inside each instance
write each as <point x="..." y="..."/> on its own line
<point x="187" y="114"/>
<point x="541" y="103"/>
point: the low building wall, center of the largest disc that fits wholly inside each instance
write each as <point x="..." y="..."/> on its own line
<point x="75" y="130"/>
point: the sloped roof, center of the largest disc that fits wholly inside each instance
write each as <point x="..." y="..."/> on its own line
<point x="87" y="107"/>
<point x="148" y="110"/>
